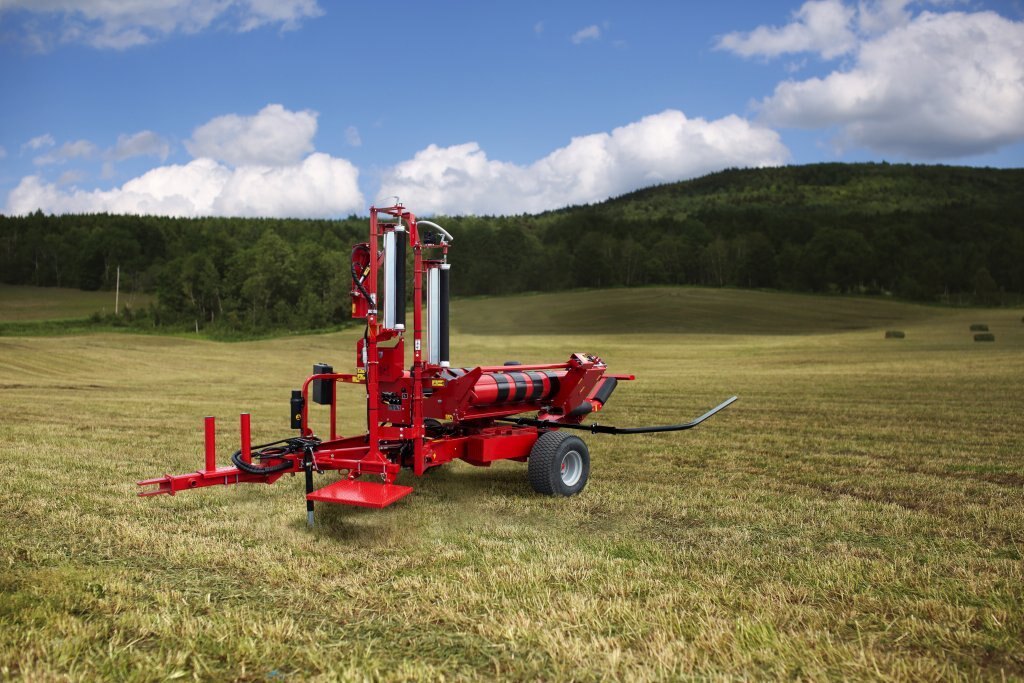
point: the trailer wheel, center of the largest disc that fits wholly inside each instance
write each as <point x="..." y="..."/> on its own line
<point x="559" y="464"/>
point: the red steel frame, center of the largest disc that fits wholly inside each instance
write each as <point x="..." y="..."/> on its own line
<point x="393" y="441"/>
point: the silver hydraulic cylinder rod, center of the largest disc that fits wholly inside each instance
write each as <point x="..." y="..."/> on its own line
<point x="389" y="280"/>
<point x="434" y="315"/>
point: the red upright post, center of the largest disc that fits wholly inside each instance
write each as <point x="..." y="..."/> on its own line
<point x="211" y="443"/>
<point x="246" y="443"/>
<point x="370" y="345"/>
<point x="417" y="363"/>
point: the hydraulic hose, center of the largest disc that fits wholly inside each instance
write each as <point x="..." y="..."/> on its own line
<point x="357" y="277"/>
<point x="269" y="451"/>
<point x="595" y="428"/>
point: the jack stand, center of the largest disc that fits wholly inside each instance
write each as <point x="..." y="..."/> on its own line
<point x="307" y="464"/>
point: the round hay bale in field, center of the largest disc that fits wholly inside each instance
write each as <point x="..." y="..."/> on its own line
<point x="894" y="334"/>
<point x="979" y="327"/>
<point x="984" y="337"/>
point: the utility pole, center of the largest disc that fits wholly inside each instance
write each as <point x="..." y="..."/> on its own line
<point x="117" y="289"/>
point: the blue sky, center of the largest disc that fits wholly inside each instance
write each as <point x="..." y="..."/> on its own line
<point x="316" y="108"/>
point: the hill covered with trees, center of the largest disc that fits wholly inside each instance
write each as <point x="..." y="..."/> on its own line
<point x="927" y="233"/>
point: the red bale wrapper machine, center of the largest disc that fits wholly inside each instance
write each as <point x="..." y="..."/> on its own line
<point x="426" y="414"/>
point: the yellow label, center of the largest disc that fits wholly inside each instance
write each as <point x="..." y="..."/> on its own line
<point x="353" y="309"/>
<point x="360" y="375"/>
<point x="449" y="417"/>
<point x="437" y="382"/>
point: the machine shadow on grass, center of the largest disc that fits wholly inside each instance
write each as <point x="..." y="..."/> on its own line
<point x="465" y="487"/>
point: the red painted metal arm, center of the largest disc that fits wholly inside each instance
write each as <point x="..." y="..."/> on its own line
<point x="212" y="476"/>
<point x="172" y="483"/>
<point x="336" y="377"/>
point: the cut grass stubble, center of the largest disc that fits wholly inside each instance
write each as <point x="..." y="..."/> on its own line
<point x="859" y="513"/>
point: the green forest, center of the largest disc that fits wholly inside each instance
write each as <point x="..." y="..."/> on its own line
<point x="927" y="233"/>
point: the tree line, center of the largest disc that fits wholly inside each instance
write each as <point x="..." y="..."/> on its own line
<point x="926" y="233"/>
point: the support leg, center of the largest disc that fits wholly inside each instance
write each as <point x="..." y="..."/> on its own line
<point x="307" y="464"/>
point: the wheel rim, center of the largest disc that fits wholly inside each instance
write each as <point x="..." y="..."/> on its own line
<point x="571" y="468"/>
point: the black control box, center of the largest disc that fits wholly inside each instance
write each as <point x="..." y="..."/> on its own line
<point x="323" y="389"/>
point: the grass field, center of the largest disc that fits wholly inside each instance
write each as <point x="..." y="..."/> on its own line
<point x="680" y="310"/>
<point x="858" y="514"/>
<point x="19" y="303"/>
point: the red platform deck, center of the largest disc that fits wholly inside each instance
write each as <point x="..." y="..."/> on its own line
<point x="367" y="494"/>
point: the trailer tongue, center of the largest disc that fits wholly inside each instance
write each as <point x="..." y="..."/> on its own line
<point x="427" y="414"/>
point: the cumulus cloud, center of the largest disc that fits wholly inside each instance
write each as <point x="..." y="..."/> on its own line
<point x="288" y="13"/>
<point x="831" y="28"/>
<point x="78" y="149"/>
<point x="660" y="148"/>
<point x="121" y="25"/>
<point x="273" y="137"/>
<point x="940" y="86"/>
<point x="39" y="142"/>
<point x="143" y="143"/>
<point x="260" y="165"/>
<point x="879" y="16"/>
<point x="822" y="26"/>
<point x="592" y="32"/>
<point x="320" y="185"/>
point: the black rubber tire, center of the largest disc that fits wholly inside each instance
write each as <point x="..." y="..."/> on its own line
<point x="544" y="465"/>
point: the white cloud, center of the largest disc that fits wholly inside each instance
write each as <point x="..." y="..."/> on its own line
<point x="288" y="13"/>
<point x="592" y="32"/>
<point x="352" y="136"/>
<point x="3" y="152"/>
<point x="660" y="148"/>
<point x="940" y="86"/>
<point x="822" y="26"/>
<point x="79" y="149"/>
<point x="143" y="143"/>
<point x="879" y="16"/>
<point x="40" y="141"/>
<point x="119" y="25"/>
<point x="258" y="165"/>
<point x="273" y="137"/>
<point x="538" y="28"/>
<point x="320" y="185"/>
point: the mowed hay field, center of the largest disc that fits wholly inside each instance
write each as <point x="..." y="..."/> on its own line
<point x="859" y="513"/>
<point x="19" y="303"/>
